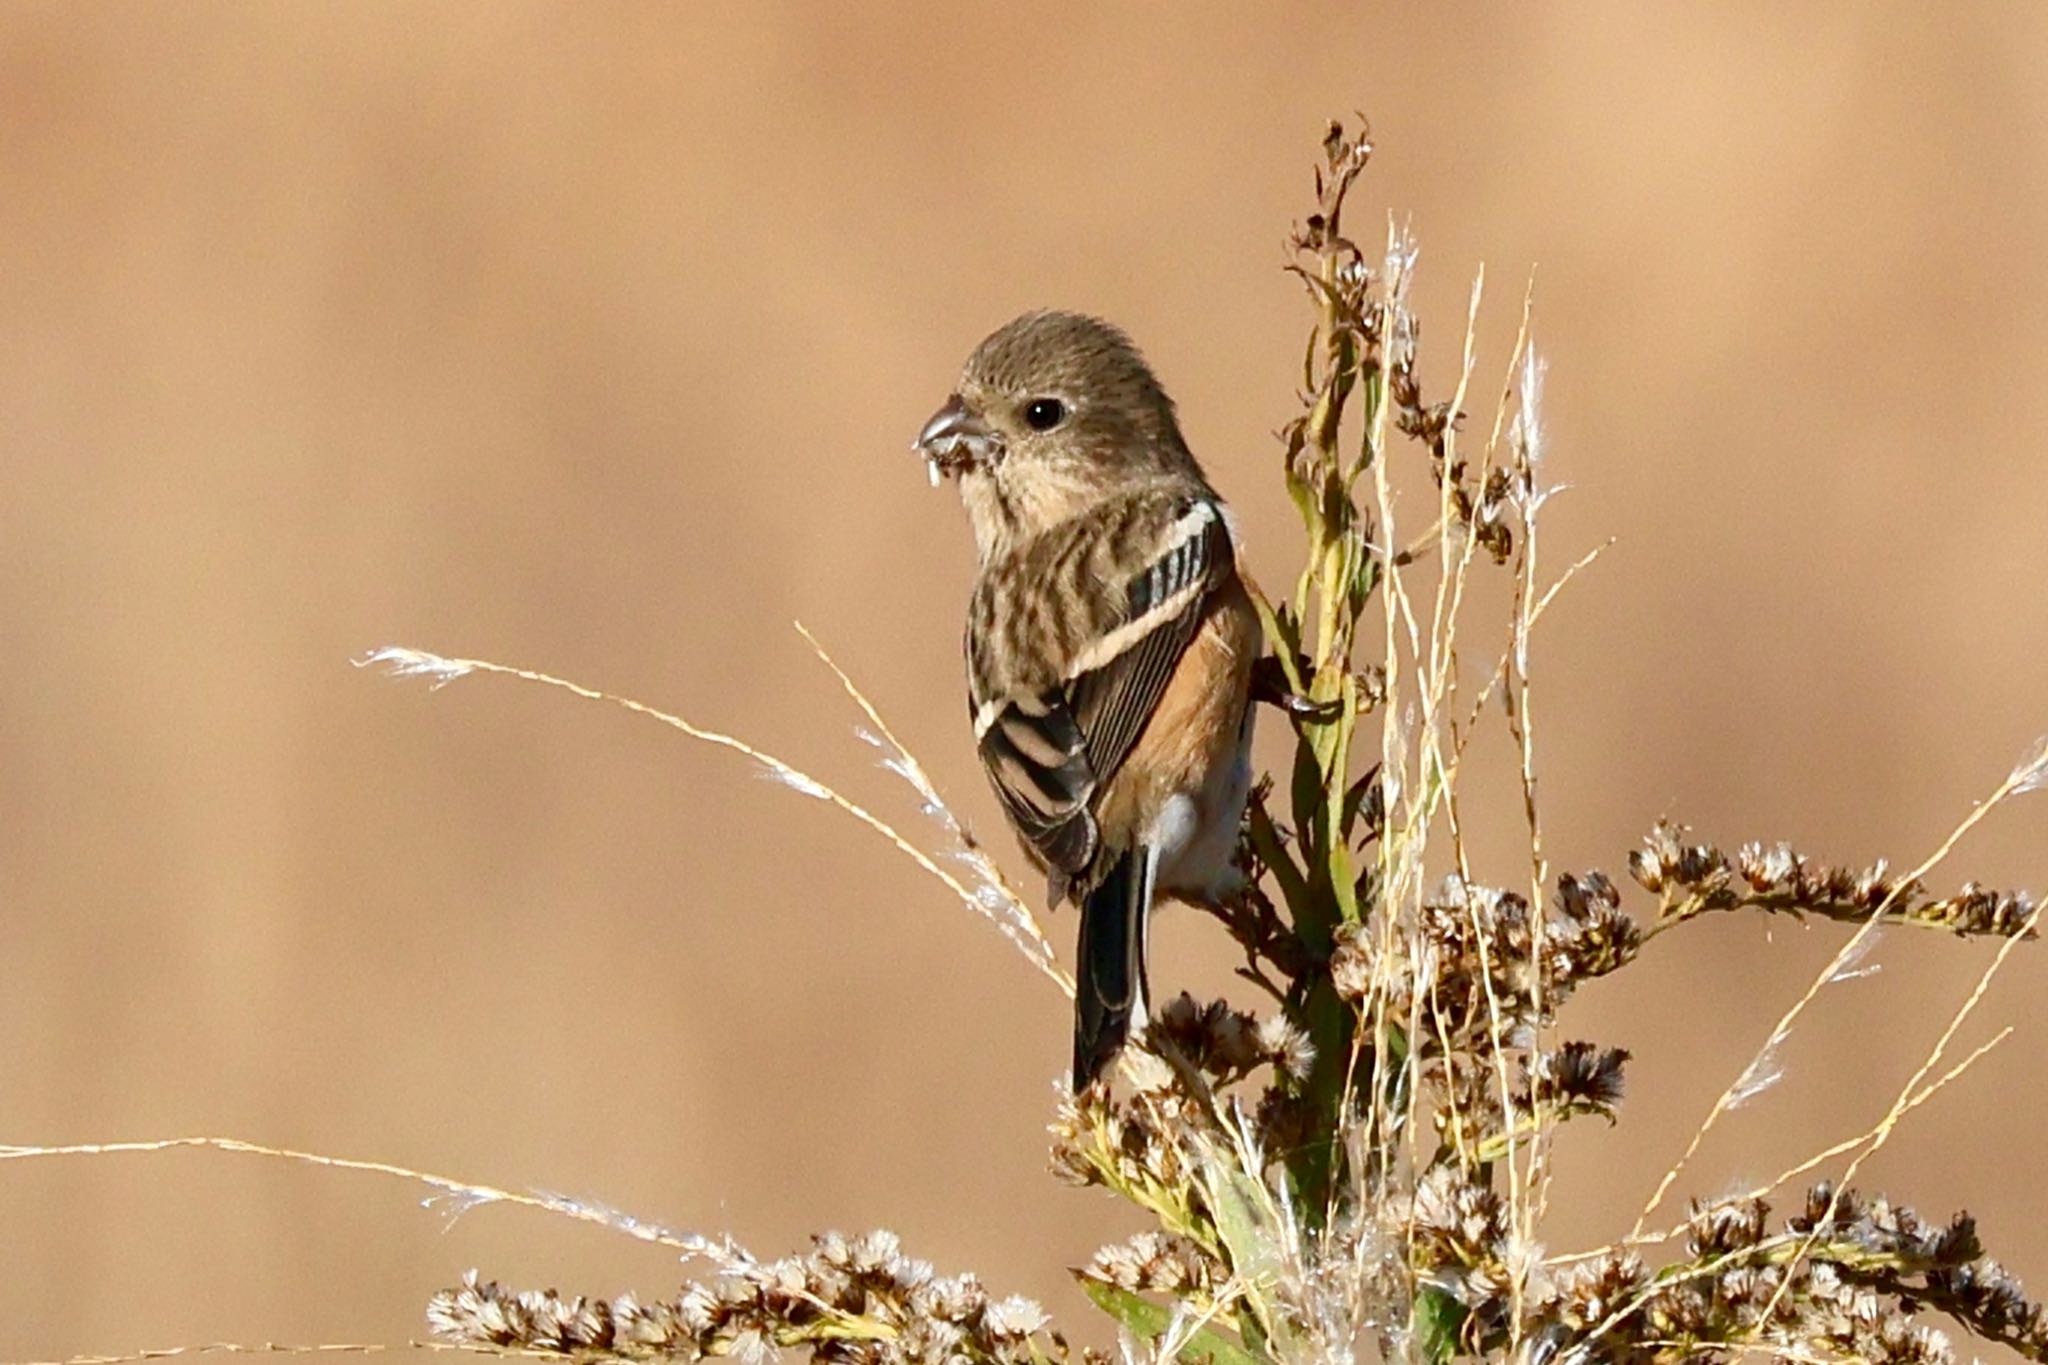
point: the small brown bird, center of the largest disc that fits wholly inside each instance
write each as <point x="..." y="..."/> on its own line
<point x="1109" y="641"/>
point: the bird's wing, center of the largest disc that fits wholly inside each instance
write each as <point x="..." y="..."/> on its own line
<point x="1050" y="746"/>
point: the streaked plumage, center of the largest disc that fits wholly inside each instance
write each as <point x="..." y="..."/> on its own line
<point x="1109" y="641"/>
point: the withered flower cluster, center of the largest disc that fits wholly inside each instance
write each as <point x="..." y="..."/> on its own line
<point x="1150" y="1144"/>
<point x="1841" y="1280"/>
<point x="1693" y="878"/>
<point x="857" y="1300"/>
<point x="1465" y="967"/>
<point x="1228" y="1044"/>
<point x="1889" y="1250"/>
<point x="1158" y="1262"/>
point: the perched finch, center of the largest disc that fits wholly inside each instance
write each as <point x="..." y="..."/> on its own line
<point x="1109" y="641"/>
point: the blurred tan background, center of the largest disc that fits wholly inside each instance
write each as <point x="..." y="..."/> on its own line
<point x="592" y="338"/>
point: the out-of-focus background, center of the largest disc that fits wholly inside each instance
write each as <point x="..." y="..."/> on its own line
<point x="592" y="339"/>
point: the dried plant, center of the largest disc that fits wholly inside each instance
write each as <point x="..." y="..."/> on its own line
<point x="1364" y="1168"/>
<point x="850" y="1299"/>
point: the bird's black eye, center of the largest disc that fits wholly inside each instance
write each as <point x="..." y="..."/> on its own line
<point x="1045" y="413"/>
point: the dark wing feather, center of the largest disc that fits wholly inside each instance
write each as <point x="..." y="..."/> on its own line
<point x="1048" y="753"/>
<point x="1112" y="703"/>
<point x="1037" y="760"/>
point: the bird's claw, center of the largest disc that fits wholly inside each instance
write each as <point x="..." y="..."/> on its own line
<point x="1269" y="685"/>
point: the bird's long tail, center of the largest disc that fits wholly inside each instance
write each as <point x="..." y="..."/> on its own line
<point x="1110" y="993"/>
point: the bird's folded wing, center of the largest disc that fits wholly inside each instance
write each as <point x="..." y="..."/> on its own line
<point x="1050" y="750"/>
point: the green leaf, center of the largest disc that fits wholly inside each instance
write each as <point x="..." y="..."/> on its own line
<point x="1304" y="495"/>
<point x="1338" y="514"/>
<point x="1283" y="637"/>
<point x="1148" y="1321"/>
<point x="1336" y="838"/>
<point x="1355" y="796"/>
<point x="1273" y="853"/>
<point x="1306" y="789"/>
<point x="1233" y="1202"/>
<point x="1436" y="1319"/>
<point x="1343" y="881"/>
<point x="1375" y="398"/>
<point x="1365" y="576"/>
<point x="1328" y="1021"/>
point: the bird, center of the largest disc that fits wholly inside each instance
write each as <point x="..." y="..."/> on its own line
<point x="1109" y="642"/>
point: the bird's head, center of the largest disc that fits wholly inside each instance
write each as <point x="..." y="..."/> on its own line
<point x="1052" y="411"/>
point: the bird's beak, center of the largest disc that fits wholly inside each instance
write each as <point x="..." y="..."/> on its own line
<point x="955" y="440"/>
